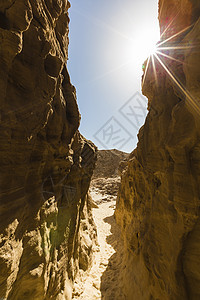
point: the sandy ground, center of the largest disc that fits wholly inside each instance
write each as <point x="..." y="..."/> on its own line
<point x="103" y="280"/>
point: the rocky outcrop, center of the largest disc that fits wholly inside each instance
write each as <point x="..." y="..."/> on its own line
<point x="159" y="198"/>
<point x="106" y="177"/>
<point x="108" y="163"/>
<point x="46" y="226"/>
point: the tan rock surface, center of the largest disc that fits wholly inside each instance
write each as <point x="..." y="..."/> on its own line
<point x="46" y="227"/>
<point x="108" y="162"/>
<point x="159" y="198"/>
<point x="106" y="177"/>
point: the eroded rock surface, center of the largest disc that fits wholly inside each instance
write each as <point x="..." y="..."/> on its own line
<point x="46" y="226"/>
<point x="159" y="197"/>
<point x="108" y="163"/>
<point x="106" y="177"/>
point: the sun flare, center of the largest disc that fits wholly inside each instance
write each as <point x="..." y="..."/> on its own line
<point x="143" y="45"/>
<point x="166" y="51"/>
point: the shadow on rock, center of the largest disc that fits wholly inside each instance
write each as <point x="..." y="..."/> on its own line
<point x="111" y="280"/>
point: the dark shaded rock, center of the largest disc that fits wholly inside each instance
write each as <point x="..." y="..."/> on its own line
<point x="44" y="175"/>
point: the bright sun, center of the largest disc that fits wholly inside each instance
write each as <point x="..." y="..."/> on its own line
<point x="141" y="45"/>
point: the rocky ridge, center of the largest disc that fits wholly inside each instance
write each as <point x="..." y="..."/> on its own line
<point x="159" y="197"/>
<point x="106" y="177"/>
<point x="46" y="227"/>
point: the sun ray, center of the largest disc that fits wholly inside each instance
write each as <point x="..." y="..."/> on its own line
<point x="168" y="26"/>
<point x="173" y="36"/>
<point x="180" y="86"/>
<point x="176" y="47"/>
<point x="170" y="57"/>
<point x="154" y="69"/>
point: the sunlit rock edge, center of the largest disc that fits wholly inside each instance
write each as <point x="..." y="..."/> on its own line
<point x="159" y="198"/>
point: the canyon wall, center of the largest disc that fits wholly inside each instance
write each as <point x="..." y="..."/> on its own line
<point x="46" y="226"/>
<point x="159" y="198"/>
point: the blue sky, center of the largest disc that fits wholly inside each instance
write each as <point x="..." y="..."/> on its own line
<point x="108" y="43"/>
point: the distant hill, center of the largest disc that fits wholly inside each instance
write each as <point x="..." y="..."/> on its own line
<point x="108" y="163"/>
<point x="106" y="178"/>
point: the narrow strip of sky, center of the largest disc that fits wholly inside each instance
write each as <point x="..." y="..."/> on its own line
<point x="108" y="43"/>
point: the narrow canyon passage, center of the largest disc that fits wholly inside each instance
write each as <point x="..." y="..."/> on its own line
<point x="59" y="234"/>
<point x="104" y="278"/>
<point x="103" y="281"/>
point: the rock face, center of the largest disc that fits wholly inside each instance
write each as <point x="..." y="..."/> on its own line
<point x="159" y="198"/>
<point x="46" y="227"/>
<point x="108" y="163"/>
<point x="106" y="177"/>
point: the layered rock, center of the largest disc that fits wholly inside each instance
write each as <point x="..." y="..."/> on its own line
<point x="46" y="226"/>
<point x="159" y="198"/>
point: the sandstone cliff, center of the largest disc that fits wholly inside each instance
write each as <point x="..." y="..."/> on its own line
<point x="159" y="198"/>
<point x="46" y="226"/>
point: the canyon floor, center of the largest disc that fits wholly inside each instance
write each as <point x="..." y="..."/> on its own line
<point x="103" y="280"/>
